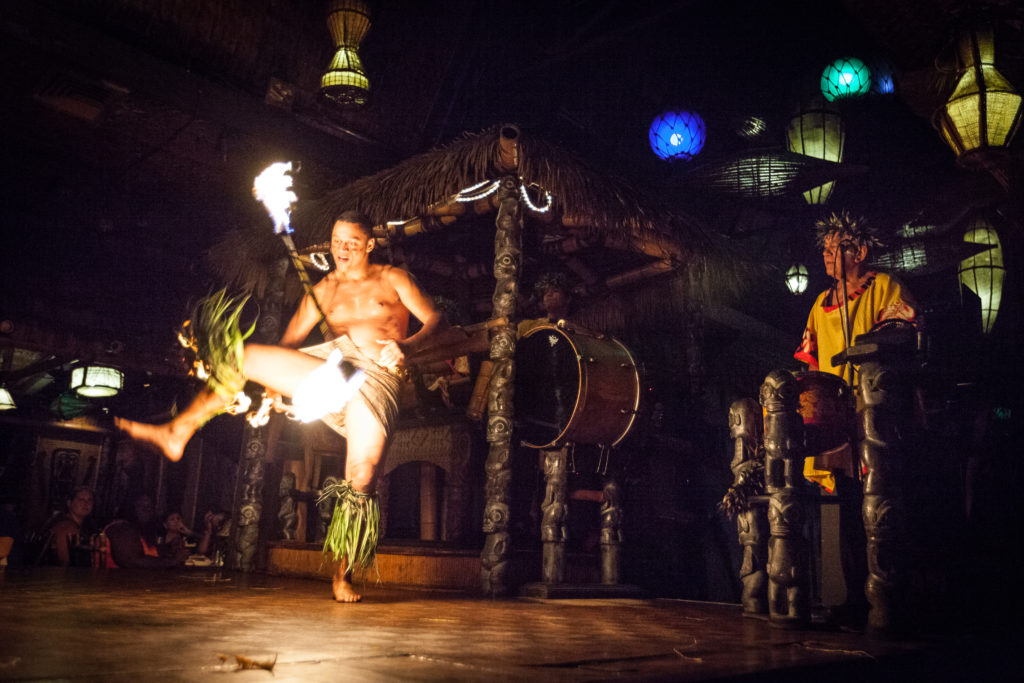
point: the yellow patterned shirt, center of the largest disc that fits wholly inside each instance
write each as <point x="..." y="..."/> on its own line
<point x="881" y="297"/>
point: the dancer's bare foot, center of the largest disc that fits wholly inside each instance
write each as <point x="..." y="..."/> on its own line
<point x="344" y="592"/>
<point x="164" y="437"/>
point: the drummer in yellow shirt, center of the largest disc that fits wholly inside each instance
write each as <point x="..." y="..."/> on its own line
<point x="858" y="300"/>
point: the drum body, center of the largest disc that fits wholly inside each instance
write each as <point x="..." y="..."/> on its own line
<point x="574" y="386"/>
<point x="827" y="406"/>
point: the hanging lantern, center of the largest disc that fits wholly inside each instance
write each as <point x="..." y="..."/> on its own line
<point x="677" y="135"/>
<point x="96" y="381"/>
<point x="345" y="83"/>
<point x="980" y="118"/>
<point x="6" y="400"/>
<point x="844" y="78"/>
<point x="751" y="127"/>
<point x="818" y="131"/>
<point x="882" y="80"/>
<point x="983" y="273"/>
<point x="796" y="278"/>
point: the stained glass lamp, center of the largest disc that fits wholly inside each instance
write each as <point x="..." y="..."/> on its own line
<point x="818" y="131"/>
<point x="677" y="135"/>
<point x="845" y="77"/>
<point x="345" y="82"/>
<point x="96" y="381"/>
<point x="982" y="114"/>
<point x="796" y="278"/>
<point x="882" y="79"/>
<point x="983" y="273"/>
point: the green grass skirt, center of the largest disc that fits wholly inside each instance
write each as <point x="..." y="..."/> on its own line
<point x="214" y="335"/>
<point x="355" y="526"/>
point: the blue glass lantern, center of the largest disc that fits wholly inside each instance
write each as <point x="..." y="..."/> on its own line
<point x="677" y="135"/>
<point x="845" y="77"/>
<point x="882" y="82"/>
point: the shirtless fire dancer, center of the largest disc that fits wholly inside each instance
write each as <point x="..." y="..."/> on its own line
<point x="367" y="308"/>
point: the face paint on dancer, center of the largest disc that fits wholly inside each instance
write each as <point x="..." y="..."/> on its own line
<point x="350" y="245"/>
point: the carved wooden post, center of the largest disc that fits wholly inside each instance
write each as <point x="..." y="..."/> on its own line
<point x="788" y="558"/>
<point x="882" y="391"/>
<point x="249" y="499"/>
<point x="553" y="514"/>
<point x="745" y="427"/>
<point x="508" y="241"/>
<point x="325" y="509"/>
<point x="611" y="532"/>
<point x="287" y="512"/>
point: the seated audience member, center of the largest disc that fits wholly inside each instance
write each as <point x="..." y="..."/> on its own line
<point x="215" y="533"/>
<point x="175" y="536"/>
<point x="132" y="540"/>
<point x="68" y="539"/>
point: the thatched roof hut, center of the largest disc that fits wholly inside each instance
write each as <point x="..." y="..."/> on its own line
<point x="629" y="255"/>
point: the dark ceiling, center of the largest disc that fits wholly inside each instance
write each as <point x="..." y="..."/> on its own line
<point x="133" y="128"/>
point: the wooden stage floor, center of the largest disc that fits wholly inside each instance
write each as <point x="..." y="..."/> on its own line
<point x="125" y="625"/>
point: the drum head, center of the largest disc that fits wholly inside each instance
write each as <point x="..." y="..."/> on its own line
<point x="574" y="386"/>
<point x="547" y="385"/>
<point x="827" y="408"/>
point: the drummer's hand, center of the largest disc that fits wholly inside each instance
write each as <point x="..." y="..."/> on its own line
<point x="391" y="353"/>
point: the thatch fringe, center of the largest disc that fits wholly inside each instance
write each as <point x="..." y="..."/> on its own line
<point x="243" y="259"/>
<point x="596" y="204"/>
<point x="598" y="201"/>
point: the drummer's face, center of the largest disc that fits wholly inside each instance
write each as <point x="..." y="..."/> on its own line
<point x="556" y="302"/>
<point x="836" y="258"/>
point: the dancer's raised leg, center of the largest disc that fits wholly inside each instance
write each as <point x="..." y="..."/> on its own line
<point x="277" y="368"/>
<point x="170" y="438"/>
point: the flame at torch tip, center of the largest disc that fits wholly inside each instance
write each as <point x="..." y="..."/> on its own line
<point x="272" y="187"/>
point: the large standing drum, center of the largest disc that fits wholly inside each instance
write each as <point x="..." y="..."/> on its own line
<point x="574" y="386"/>
<point x="827" y="407"/>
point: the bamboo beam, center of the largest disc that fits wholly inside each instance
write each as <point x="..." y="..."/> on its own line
<point x="457" y="341"/>
<point x="659" y="246"/>
<point x="642" y="273"/>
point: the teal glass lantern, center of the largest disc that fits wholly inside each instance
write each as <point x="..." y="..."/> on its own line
<point x="844" y="78"/>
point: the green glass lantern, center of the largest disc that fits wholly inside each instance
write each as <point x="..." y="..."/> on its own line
<point x="96" y="381"/>
<point x="846" y="77"/>
<point x="797" y="278"/>
<point x="345" y="82"/>
<point x="6" y="400"/>
<point x="983" y="273"/>
<point x="818" y="131"/>
<point x="983" y="113"/>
